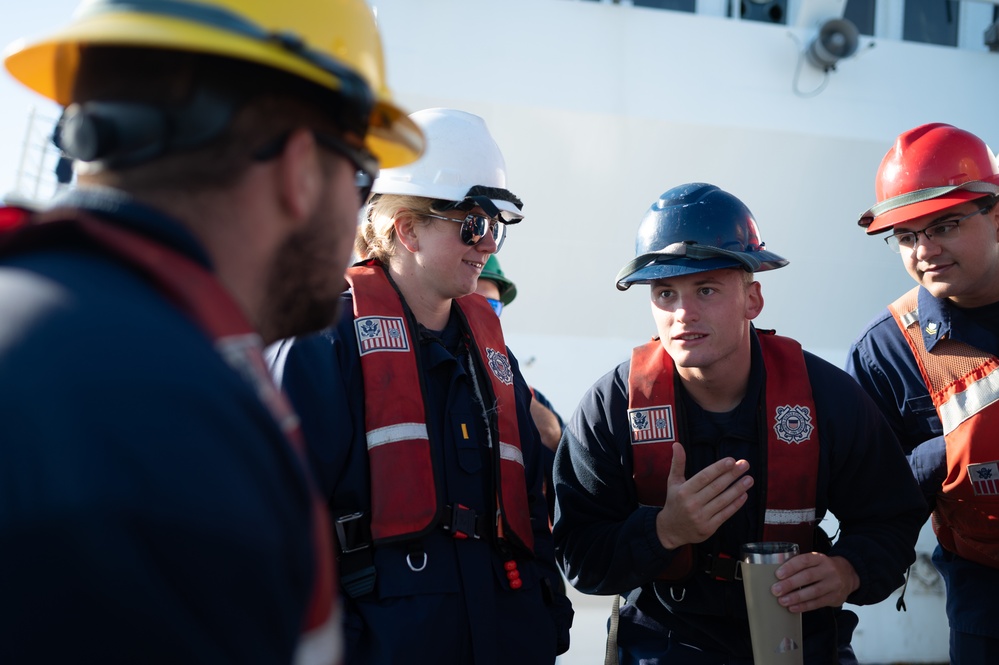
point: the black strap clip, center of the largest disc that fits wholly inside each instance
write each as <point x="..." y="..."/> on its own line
<point x="462" y="522"/>
<point x="353" y="532"/>
<point x="722" y="567"/>
<point x="357" y="562"/>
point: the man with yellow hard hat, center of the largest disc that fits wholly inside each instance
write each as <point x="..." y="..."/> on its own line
<point x="157" y="506"/>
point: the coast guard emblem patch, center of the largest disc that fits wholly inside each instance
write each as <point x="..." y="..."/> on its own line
<point x="793" y="424"/>
<point x="381" y="333"/>
<point x="984" y="478"/>
<point x="651" y="425"/>
<point x="499" y="365"/>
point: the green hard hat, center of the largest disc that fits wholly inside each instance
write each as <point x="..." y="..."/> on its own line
<point x="493" y="272"/>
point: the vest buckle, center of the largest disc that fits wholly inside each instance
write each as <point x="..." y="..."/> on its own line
<point x="461" y="522"/>
<point x="352" y="532"/>
<point x="723" y="567"/>
<point x="356" y="560"/>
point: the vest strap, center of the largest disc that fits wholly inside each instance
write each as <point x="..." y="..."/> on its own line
<point x="789" y="446"/>
<point x="963" y="383"/>
<point x="462" y="522"/>
<point x="405" y="494"/>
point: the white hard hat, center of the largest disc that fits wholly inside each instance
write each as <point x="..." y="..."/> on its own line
<point x="461" y="164"/>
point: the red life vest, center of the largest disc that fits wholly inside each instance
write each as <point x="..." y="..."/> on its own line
<point x="963" y="383"/>
<point x="404" y="498"/>
<point x="792" y="452"/>
<point x="198" y="293"/>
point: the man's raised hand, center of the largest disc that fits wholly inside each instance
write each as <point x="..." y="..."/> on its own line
<point x="695" y="508"/>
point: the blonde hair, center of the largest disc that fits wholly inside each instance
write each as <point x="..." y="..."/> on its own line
<point x="376" y="235"/>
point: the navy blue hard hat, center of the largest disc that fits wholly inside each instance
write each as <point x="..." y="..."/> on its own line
<point x="695" y="228"/>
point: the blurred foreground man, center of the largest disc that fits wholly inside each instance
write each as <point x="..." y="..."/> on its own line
<point x="154" y="504"/>
<point x="717" y="434"/>
<point x="929" y="360"/>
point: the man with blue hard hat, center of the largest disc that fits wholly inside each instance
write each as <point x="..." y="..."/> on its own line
<point x="715" y="434"/>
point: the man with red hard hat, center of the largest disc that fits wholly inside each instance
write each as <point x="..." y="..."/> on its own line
<point x="929" y="360"/>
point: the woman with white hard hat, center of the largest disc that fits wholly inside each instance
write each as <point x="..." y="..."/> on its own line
<point x="420" y="428"/>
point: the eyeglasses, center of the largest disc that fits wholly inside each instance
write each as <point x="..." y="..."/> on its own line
<point x="364" y="162"/>
<point x="939" y="232"/>
<point x="497" y="305"/>
<point x="474" y="228"/>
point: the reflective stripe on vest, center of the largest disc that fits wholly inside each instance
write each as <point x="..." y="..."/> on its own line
<point x="963" y="383"/>
<point x="792" y="451"/>
<point x="404" y="497"/>
<point x="200" y="296"/>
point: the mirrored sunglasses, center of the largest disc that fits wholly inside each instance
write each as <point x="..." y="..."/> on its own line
<point x="474" y="228"/>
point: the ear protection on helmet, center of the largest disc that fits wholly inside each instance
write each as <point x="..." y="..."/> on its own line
<point x="126" y="133"/>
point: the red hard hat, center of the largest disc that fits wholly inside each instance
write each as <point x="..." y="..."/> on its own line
<point x="929" y="169"/>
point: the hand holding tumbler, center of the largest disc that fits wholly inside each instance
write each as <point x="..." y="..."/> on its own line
<point x="775" y="631"/>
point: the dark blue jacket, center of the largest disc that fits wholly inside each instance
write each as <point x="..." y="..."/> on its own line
<point x="881" y="360"/>
<point x="548" y="455"/>
<point x="608" y="544"/>
<point x="459" y="609"/>
<point x="150" y="508"/>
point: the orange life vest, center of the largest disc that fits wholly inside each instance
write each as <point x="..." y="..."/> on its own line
<point x="199" y="295"/>
<point x="964" y="386"/>
<point x="404" y="497"/>
<point x="792" y="452"/>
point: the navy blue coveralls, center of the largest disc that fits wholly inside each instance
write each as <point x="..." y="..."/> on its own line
<point x="608" y="544"/>
<point x="459" y="608"/>
<point x="548" y="455"/>
<point x="881" y="360"/>
<point x="150" y="508"/>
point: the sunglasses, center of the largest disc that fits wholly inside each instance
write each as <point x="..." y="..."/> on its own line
<point x="474" y="228"/>
<point x="365" y="164"/>
<point x="497" y="305"/>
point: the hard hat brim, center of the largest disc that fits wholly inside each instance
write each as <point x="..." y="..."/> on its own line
<point x="507" y="290"/>
<point x="912" y="205"/>
<point x="890" y="218"/>
<point x="676" y="268"/>
<point x="901" y="215"/>
<point x="48" y="67"/>
<point x="399" y="187"/>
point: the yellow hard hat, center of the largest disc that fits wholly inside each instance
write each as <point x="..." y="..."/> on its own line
<point x="333" y="43"/>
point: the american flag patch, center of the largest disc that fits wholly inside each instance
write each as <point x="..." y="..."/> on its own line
<point x="381" y="333"/>
<point x="984" y="478"/>
<point x="651" y="425"/>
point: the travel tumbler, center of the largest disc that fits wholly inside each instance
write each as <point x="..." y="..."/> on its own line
<point x="776" y="632"/>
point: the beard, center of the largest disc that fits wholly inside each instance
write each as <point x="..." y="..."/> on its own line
<point x="305" y="282"/>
